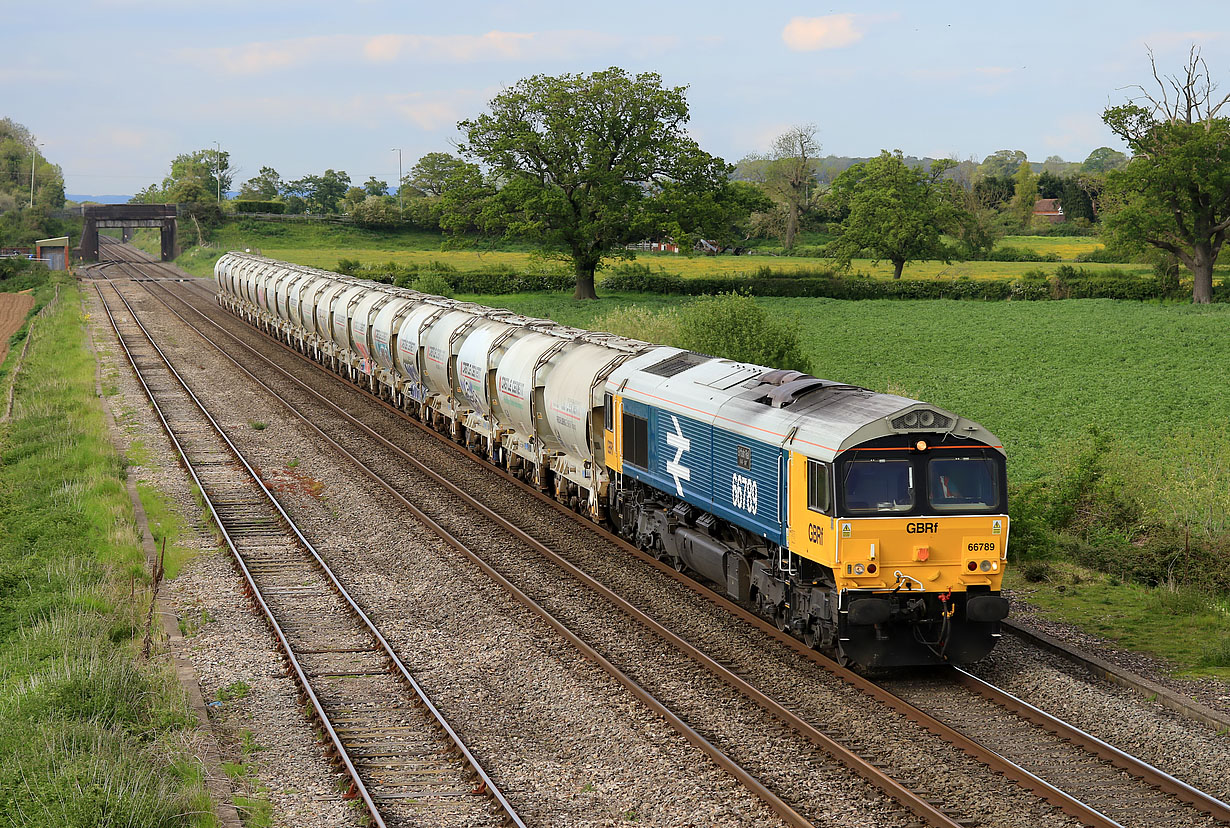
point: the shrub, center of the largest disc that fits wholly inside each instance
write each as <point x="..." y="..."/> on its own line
<point x="246" y="206"/>
<point x="732" y="325"/>
<point x="1019" y="254"/>
<point x="435" y="284"/>
<point x="1037" y="571"/>
<point x="660" y="328"/>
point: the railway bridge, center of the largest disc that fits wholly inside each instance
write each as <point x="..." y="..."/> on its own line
<point x="128" y="217"/>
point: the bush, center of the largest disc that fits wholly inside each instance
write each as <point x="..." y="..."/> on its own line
<point x="1037" y="571"/>
<point x="18" y="273"/>
<point x="1101" y="255"/>
<point x="1019" y="254"/>
<point x="1068" y="282"/>
<point x="732" y="325"/>
<point x="636" y="322"/>
<point x="434" y="284"/>
<point x="245" y="206"/>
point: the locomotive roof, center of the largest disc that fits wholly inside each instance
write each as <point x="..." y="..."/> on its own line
<point x="819" y="418"/>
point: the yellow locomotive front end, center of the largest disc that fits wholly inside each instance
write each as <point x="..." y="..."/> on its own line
<point x="908" y="540"/>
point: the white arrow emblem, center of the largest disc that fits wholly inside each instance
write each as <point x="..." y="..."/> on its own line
<point x="673" y="467"/>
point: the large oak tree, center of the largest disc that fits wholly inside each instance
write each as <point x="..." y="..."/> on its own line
<point x="586" y="164"/>
<point x="1174" y="195"/>
<point x="894" y="211"/>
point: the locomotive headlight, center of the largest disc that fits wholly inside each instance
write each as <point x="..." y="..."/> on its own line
<point x="985" y="566"/>
<point x="858" y="569"/>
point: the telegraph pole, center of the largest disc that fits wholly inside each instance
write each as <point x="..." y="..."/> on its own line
<point x="33" y="163"/>
<point x="398" y="151"/>
<point x="218" y="170"/>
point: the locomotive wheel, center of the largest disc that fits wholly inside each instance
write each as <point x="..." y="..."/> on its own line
<point x="781" y="619"/>
<point x="811" y="636"/>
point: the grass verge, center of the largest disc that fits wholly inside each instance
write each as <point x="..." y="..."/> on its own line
<point x="1186" y="627"/>
<point x="88" y="735"/>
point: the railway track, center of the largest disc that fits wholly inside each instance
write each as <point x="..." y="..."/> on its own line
<point x="918" y="807"/>
<point x="403" y="761"/>
<point x="1176" y="804"/>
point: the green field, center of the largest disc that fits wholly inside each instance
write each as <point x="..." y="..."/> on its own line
<point x="323" y="245"/>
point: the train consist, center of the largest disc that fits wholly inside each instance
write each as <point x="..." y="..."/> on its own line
<point x="873" y="526"/>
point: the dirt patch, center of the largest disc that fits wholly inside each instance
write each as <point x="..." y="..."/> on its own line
<point x="13" y="310"/>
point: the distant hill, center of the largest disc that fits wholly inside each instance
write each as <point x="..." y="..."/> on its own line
<point x="101" y="199"/>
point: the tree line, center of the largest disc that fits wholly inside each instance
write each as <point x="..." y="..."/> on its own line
<point x="584" y="165"/>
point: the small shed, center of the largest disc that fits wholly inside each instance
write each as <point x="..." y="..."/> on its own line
<point x="53" y="251"/>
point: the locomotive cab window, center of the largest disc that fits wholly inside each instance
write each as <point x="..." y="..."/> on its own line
<point x="878" y="486"/>
<point x="608" y="413"/>
<point x="963" y="484"/>
<point x="636" y="440"/>
<point x="818" y="499"/>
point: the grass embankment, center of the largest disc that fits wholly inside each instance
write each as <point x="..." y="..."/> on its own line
<point x="1188" y="627"/>
<point x="88" y="734"/>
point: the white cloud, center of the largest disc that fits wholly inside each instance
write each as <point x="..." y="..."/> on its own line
<point x="812" y="34"/>
<point x="267" y="56"/>
<point x="462" y="48"/>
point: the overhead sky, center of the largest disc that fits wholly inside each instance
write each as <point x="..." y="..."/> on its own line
<point x="117" y="88"/>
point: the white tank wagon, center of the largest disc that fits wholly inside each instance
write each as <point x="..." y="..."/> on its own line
<point x="870" y="525"/>
<point x="524" y="393"/>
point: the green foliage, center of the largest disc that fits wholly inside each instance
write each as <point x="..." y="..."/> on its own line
<point x="734" y="326"/>
<point x="434" y="283"/>
<point x="1024" y="193"/>
<point x="246" y="206"/>
<point x="1104" y="159"/>
<point x="264" y="186"/>
<point x="660" y="327"/>
<point x="894" y="212"/>
<point x="1007" y="253"/>
<point x="1001" y="164"/>
<point x="582" y="161"/>
<point x="17" y="273"/>
<point x="196" y="177"/>
<point x="318" y="193"/>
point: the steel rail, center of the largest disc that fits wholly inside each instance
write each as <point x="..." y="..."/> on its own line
<point x="1124" y="761"/>
<point x="487" y="785"/>
<point x="1040" y="787"/>
<point x="916" y="804"/>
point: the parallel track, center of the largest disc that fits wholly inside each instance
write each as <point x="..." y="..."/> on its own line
<point x="404" y="761"/>
<point x="919" y="805"/>
<point x="1047" y="791"/>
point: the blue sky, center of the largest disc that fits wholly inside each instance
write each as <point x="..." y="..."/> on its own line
<point x="116" y="88"/>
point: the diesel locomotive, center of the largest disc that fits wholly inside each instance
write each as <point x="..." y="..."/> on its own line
<point x="873" y="526"/>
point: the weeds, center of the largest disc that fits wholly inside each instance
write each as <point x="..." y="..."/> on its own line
<point x="86" y="733"/>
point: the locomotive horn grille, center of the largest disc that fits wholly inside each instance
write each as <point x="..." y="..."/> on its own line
<point x="921" y="418"/>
